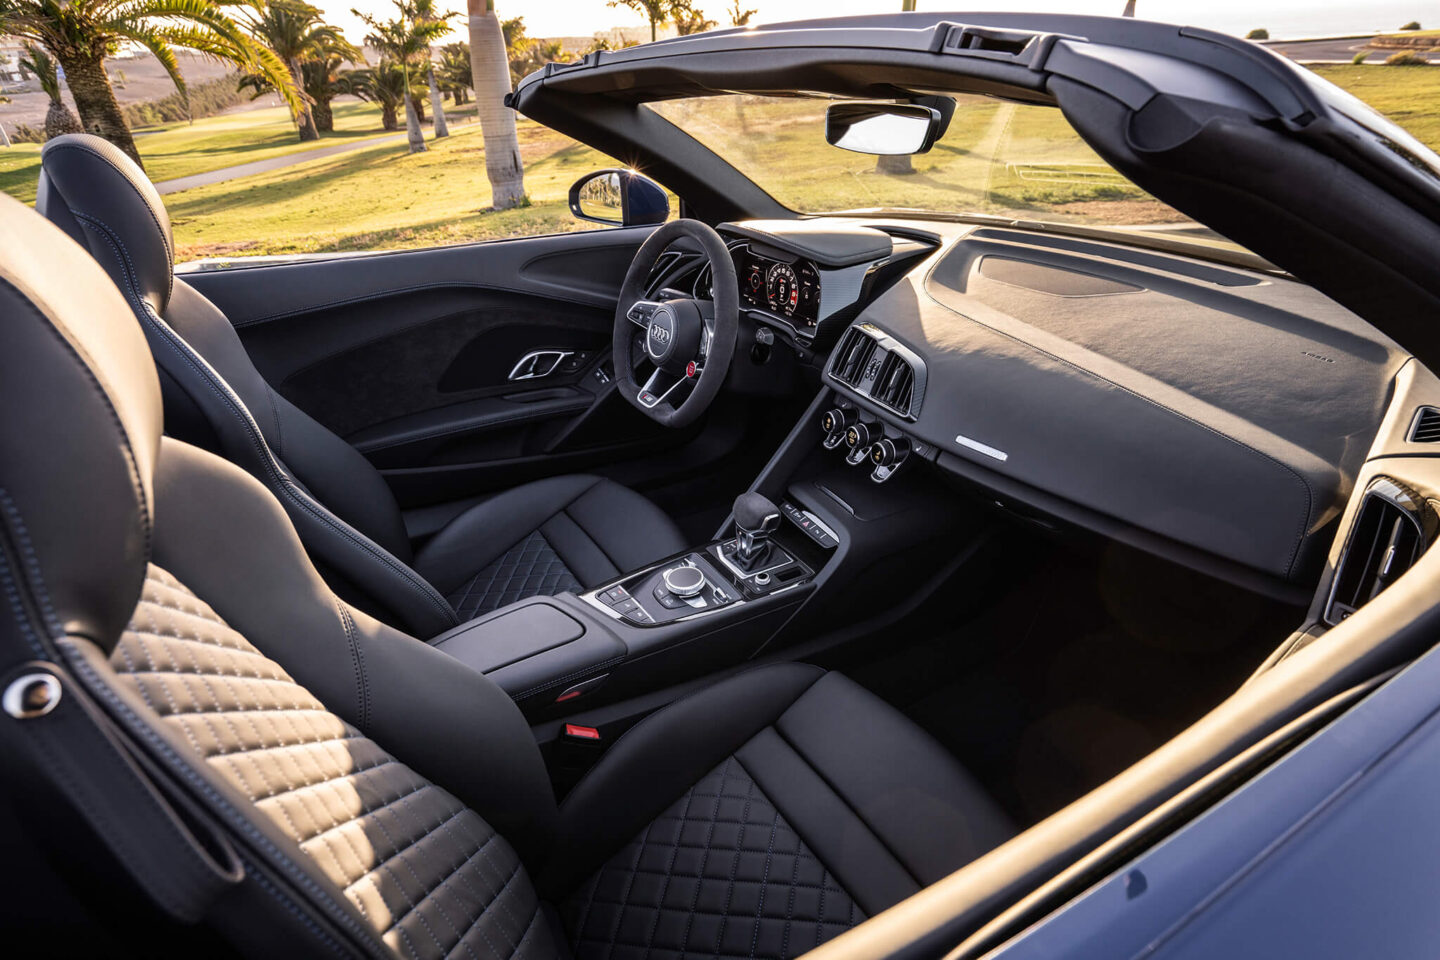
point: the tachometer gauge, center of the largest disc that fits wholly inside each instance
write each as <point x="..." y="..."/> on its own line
<point x="782" y="288"/>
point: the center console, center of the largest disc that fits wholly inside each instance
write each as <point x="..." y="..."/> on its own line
<point x="831" y="525"/>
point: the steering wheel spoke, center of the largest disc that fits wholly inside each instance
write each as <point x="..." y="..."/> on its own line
<point x="657" y="391"/>
<point x="640" y="313"/>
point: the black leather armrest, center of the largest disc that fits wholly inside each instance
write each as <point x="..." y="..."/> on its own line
<point x="531" y="646"/>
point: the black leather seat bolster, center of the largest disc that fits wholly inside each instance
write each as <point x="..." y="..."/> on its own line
<point x="883" y="806"/>
<point x="453" y="726"/>
<point x="598" y="528"/>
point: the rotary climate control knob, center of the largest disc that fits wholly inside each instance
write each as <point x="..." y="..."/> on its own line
<point x="887" y="452"/>
<point x="684" y="581"/>
<point x="836" y="420"/>
<point x="858" y="436"/>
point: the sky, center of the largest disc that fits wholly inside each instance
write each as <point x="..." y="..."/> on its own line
<point x="1283" y="18"/>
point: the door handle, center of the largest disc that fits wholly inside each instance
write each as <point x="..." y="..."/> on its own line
<point x="538" y="363"/>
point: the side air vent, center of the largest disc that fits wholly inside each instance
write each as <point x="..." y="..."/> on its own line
<point x="852" y="355"/>
<point x="880" y="368"/>
<point x="895" y="383"/>
<point x="1390" y="533"/>
<point x="1426" y="428"/>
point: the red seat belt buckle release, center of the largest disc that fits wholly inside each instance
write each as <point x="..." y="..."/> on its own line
<point x="577" y="732"/>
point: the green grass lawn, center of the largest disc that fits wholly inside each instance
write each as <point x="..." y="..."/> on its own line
<point x="995" y="158"/>
<point x="182" y="149"/>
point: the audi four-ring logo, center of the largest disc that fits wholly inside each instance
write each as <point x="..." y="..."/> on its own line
<point x="661" y="335"/>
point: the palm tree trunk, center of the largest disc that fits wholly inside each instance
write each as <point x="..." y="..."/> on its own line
<point x="94" y="98"/>
<point x="437" y="105"/>
<point x="490" y="69"/>
<point x="412" y="124"/>
<point x="324" y="116"/>
<point x="305" y="119"/>
<point x="388" y="120"/>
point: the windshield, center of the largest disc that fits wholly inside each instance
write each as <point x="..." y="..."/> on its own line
<point x="998" y="158"/>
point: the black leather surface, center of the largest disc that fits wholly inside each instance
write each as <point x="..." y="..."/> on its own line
<point x="720" y="873"/>
<point x="1227" y="418"/>
<point x="827" y="241"/>
<point x="76" y="444"/>
<point x="551" y="533"/>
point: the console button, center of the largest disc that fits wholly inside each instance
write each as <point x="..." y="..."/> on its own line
<point x="627" y="606"/>
<point x="667" y="599"/>
<point x="614" y="595"/>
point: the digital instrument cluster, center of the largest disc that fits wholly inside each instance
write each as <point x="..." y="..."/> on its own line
<point x="788" y="289"/>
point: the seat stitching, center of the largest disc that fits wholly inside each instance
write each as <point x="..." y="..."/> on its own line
<point x="765" y="877"/>
<point x="846" y="801"/>
<point x="734" y="857"/>
<point x="704" y="859"/>
<point x="432" y="895"/>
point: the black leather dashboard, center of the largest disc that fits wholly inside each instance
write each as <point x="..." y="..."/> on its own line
<point x="1217" y="409"/>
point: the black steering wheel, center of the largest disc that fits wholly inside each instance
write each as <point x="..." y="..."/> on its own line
<point x="688" y="342"/>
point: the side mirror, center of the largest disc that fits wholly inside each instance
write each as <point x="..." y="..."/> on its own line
<point x="619" y="197"/>
<point x="884" y="129"/>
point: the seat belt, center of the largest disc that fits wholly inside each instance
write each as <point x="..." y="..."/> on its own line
<point x="52" y="732"/>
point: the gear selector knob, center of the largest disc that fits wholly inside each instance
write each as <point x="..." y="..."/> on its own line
<point x="756" y="518"/>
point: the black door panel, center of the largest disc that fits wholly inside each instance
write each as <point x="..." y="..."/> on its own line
<point x="419" y="359"/>
<point x="422" y="353"/>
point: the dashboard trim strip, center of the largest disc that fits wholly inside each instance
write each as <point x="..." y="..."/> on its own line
<point x="984" y="448"/>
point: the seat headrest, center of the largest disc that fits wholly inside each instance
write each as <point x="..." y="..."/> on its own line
<point x="80" y="423"/>
<point x="104" y="201"/>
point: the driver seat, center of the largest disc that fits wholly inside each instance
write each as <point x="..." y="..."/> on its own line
<point x="539" y="539"/>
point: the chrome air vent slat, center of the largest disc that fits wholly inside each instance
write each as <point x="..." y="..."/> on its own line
<point x="1391" y="530"/>
<point x="879" y="368"/>
<point x="1426" y="428"/>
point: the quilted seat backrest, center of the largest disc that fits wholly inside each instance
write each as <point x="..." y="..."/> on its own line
<point x="429" y="875"/>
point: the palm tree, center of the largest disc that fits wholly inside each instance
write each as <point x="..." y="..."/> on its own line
<point x="404" y="40"/>
<point x="423" y="11"/>
<point x="490" y="69"/>
<point x="80" y="34"/>
<point x="658" y="11"/>
<point x="296" y="32"/>
<point x="384" y="83"/>
<point x="58" y="119"/>
<point x="739" y="15"/>
<point x="454" y="71"/>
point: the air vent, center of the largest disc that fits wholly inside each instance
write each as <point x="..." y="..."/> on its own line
<point x="879" y="368"/>
<point x="1386" y="540"/>
<point x="895" y="384"/>
<point x="1426" y="428"/>
<point x="852" y="355"/>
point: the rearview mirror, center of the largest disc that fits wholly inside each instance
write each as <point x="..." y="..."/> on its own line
<point x="884" y="129"/>
<point x="619" y="197"/>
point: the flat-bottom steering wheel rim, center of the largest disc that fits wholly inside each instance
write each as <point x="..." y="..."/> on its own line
<point x="724" y="325"/>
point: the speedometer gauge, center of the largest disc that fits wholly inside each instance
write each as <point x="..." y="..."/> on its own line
<point x="782" y="290"/>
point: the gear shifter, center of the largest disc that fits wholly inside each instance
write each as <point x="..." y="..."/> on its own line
<point x="756" y="518"/>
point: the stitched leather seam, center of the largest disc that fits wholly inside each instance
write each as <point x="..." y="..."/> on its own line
<point x="132" y="461"/>
<point x="550" y="684"/>
<point x="362" y="682"/>
<point x="255" y="872"/>
<point x="820" y="775"/>
<point x="139" y="195"/>
<point x="1304" y="484"/>
<point x="279" y="482"/>
<point x="11" y="581"/>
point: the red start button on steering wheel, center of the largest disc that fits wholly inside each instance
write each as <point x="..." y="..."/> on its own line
<point x="690" y="369"/>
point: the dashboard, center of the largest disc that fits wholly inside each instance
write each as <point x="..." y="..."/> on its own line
<point x="1211" y="414"/>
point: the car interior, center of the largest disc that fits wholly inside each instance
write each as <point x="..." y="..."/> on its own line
<point x="720" y="579"/>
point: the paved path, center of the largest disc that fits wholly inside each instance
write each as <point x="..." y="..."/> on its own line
<point x="274" y="163"/>
<point x="1341" y="50"/>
